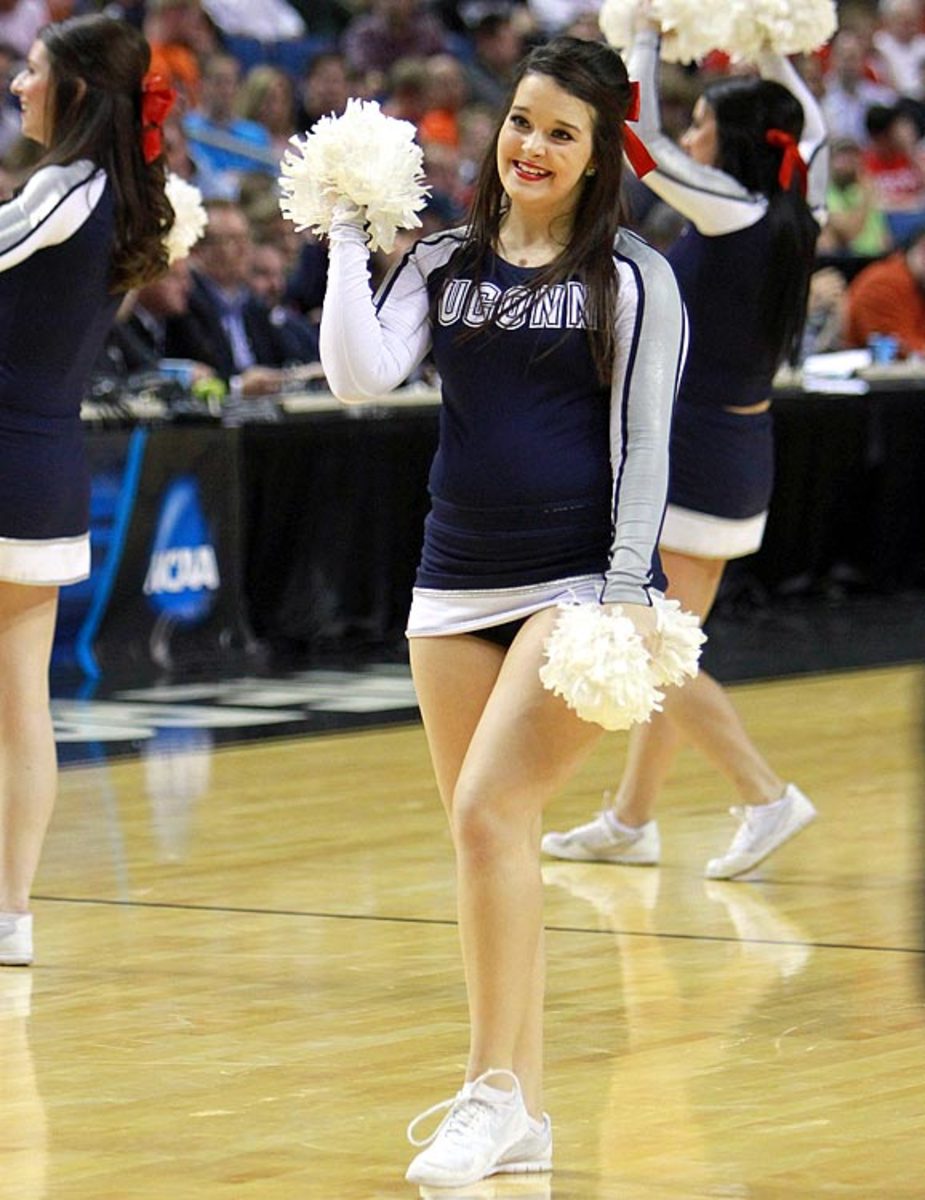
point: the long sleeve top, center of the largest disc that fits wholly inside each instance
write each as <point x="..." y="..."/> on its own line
<point x="542" y="472"/>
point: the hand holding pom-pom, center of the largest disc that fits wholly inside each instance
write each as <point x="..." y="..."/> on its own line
<point x="598" y="664"/>
<point x="363" y="159"/>
<point x="601" y="666"/>
<point x="190" y="218"/>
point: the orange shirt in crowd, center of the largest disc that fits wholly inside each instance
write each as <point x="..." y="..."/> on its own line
<point x="886" y="298"/>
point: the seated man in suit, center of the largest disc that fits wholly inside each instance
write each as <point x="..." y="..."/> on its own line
<point x="226" y="325"/>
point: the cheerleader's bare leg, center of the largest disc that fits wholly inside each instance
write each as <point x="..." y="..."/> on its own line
<point x="28" y="767"/>
<point x="498" y="766"/>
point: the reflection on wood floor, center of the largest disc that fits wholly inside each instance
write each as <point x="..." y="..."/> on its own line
<point x="248" y="977"/>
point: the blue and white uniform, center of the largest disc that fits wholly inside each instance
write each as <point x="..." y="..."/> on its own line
<point x="55" y="311"/>
<point x="546" y="484"/>
<point x="722" y="462"/>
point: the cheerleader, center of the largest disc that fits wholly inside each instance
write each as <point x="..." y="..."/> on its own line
<point x="88" y="225"/>
<point x="559" y="339"/>
<point x="750" y="177"/>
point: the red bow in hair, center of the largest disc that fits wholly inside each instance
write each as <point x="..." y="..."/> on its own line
<point x="791" y="161"/>
<point x="157" y="100"/>
<point x="641" y="160"/>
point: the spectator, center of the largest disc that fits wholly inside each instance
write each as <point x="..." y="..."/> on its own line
<point x="406" y="97"/>
<point x="448" y="192"/>
<point x="497" y="49"/>
<point x="137" y="341"/>
<point x="172" y="29"/>
<point x="324" y="89"/>
<point x="393" y="29"/>
<point x="268" y="283"/>
<point x="267" y="96"/>
<point x="888" y="297"/>
<point x="183" y="162"/>
<point x="226" y="326"/>
<point x="229" y="145"/>
<point x="855" y="225"/>
<point x="307" y="281"/>
<point x="445" y="95"/>
<point x="900" y="45"/>
<point x="848" y="92"/>
<point x="825" y="312"/>
<point x="892" y="164"/>
<point x="20" y="21"/>
<point x="476" y="129"/>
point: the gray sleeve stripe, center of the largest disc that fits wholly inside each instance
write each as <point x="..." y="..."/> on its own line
<point x="652" y="365"/>
<point x="25" y="216"/>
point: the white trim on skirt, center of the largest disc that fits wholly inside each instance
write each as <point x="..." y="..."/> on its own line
<point x="436" y="612"/>
<point x="706" y="536"/>
<point x="45" y="562"/>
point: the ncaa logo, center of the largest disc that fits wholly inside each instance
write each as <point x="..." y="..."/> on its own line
<point x="182" y="576"/>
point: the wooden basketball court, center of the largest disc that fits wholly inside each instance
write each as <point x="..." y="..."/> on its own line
<point x="248" y="979"/>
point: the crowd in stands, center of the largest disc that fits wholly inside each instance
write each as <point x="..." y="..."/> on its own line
<point x="251" y="75"/>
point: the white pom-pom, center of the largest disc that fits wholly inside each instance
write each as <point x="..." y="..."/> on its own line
<point x="690" y="28"/>
<point x="678" y="638"/>
<point x="190" y="217"/>
<point x="785" y="26"/>
<point x="599" y="665"/>
<point x="596" y="662"/>
<point x="363" y="158"/>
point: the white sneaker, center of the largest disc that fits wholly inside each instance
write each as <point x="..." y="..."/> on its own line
<point x="602" y="840"/>
<point x="482" y="1126"/>
<point x="15" y="939"/>
<point x="533" y="1153"/>
<point x="764" y="828"/>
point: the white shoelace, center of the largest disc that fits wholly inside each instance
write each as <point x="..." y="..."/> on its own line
<point x="466" y="1112"/>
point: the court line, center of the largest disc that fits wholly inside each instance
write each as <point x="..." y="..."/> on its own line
<point x="176" y="906"/>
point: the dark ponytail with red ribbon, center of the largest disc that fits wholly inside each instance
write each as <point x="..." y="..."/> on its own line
<point x="759" y="123"/>
<point x="102" y="108"/>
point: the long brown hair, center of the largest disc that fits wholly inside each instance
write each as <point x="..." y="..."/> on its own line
<point x="596" y="74"/>
<point x="97" y="67"/>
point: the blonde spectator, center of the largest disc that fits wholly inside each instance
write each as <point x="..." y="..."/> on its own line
<point x="267" y="96"/>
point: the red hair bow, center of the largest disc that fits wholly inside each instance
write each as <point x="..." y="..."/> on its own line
<point x="791" y="160"/>
<point x="641" y="160"/>
<point x="157" y="99"/>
